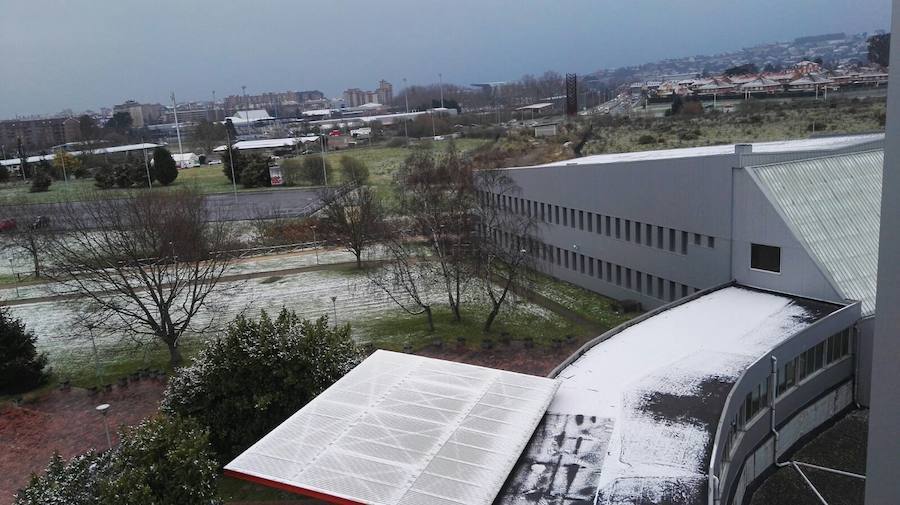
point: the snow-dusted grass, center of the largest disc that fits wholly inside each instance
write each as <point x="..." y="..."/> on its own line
<point x="371" y="313"/>
<point x="587" y="304"/>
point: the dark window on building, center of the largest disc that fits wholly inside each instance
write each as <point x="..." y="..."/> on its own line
<point x="684" y="241"/>
<point x="660" y="288"/>
<point x="590" y="266"/>
<point x="590" y="221"/>
<point x="671" y="240"/>
<point x="599" y="221"/>
<point x="558" y="256"/>
<point x="581" y="259"/>
<point x="599" y="269"/>
<point x="638" y="280"/>
<point x="618" y="227"/>
<point x="649" y="230"/>
<point x="696" y="239"/>
<point x="765" y="257"/>
<point x="711" y="242"/>
<point x="580" y="219"/>
<point x="684" y="290"/>
<point x="572" y="217"/>
<point x="637" y="232"/>
<point x="565" y="213"/>
<point x="671" y="290"/>
<point x="608" y="272"/>
<point x="556" y="211"/>
<point x="659" y="237"/>
<point x="628" y="230"/>
<point x="566" y="258"/>
<point x="618" y="275"/>
<point x="649" y="284"/>
<point x="628" y="278"/>
<point x="608" y="226"/>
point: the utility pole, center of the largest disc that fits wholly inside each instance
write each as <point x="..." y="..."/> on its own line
<point x="146" y="165"/>
<point x="324" y="172"/>
<point x="406" y="118"/>
<point x="441" y="81"/>
<point x="230" y="156"/>
<point x="177" y="131"/>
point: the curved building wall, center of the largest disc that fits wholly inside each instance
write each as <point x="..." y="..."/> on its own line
<point x="743" y="447"/>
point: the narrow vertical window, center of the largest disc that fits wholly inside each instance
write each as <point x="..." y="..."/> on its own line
<point x="608" y="227"/>
<point x="580" y="219"/>
<point x="618" y="228"/>
<point x="618" y="275"/>
<point x="684" y="242"/>
<point x="671" y="240"/>
<point x="590" y="221"/>
<point x="637" y="232"/>
<point x="628" y="230"/>
<point x="659" y="237"/>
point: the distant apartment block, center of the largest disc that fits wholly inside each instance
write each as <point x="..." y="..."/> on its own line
<point x="142" y="114"/>
<point x="36" y="134"/>
<point x="383" y="94"/>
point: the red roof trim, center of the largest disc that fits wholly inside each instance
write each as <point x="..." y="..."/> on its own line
<point x="292" y="489"/>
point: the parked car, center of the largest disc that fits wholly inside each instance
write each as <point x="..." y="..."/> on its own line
<point x="7" y="224"/>
<point x="40" y="222"/>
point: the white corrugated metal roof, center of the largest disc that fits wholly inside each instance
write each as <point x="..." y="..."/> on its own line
<point x="781" y="146"/>
<point x="404" y="429"/>
<point x="833" y="206"/>
<point x="269" y="143"/>
<point x="99" y="150"/>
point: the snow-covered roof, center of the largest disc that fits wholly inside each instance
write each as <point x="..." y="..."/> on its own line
<point x="250" y="116"/>
<point x="781" y="146"/>
<point x="833" y="207"/>
<point x="536" y="106"/>
<point x="318" y="112"/>
<point x="100" y="150"/>
<point x="635" y="415"/>
<point x="269" y="143"/>
<point x="403" y="429"/>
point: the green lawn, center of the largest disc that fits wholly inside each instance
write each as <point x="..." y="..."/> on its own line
<point x="382" y="162"/>
<point x="595" y="308"/>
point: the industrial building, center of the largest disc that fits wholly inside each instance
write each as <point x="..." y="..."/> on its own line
<point x="759" y="264"/>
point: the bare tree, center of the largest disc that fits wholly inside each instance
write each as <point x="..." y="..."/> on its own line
<point x="29" y="227"/>
<point x="355" y="218"/>
<point x="504" y="244"/>
<point x="401" y="276"/>
<point x="437" y="194"/>
<point x="147" y="263"/>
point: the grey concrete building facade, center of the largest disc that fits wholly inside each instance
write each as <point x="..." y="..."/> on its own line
<point x="882" y="468"/>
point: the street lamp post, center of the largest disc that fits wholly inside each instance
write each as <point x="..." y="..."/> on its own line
<point x="103" y="409"/>
<point x="315" y="243"/>
<point x="146" y="164"/>
<point x="177" y="131"/>
<point x="334" y="307"/>
<point x="324" y="172"/>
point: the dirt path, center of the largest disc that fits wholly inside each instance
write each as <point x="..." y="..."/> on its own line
<point x="66" y="422"/>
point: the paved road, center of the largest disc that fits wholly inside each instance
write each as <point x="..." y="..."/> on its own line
<point x="289" y="202"/>
<point x="247" y="205"/>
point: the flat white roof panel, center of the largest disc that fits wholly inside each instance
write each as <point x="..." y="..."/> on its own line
<point x="781" y="146"/>
<point x="403" y="429"/>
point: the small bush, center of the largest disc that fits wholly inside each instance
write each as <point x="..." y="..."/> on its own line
<point x="163" y="461"/>
<point x="104" y="177"/>
<point x="397" y="142"/>
<point x="312" y="173"/>
<point x="353" y="170"/>
<point x="41" y="181"/>
<point x="258" y="373"/>
<point x="646" y="140"/>
<point x="4" y="174"/>
<point x="21" y="366"/>
<point x="164" y="167"/>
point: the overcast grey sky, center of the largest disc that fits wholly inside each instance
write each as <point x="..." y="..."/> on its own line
<point x="57" y="54"/>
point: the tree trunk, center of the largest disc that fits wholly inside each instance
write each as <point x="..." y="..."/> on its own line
<point x="175" y="358"/>
<point x="37" y="265"/>
<point x="358" y="259"/>
<point x="490" y="318"/>
<point x="456" y="313"/>
<point x="430" y="319"/>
